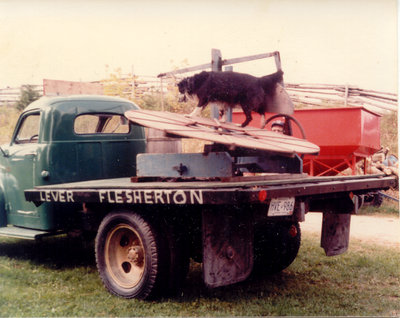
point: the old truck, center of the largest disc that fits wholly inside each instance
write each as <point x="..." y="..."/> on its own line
<point x="79" y="164"/>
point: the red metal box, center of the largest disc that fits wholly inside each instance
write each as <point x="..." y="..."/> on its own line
<point x="344" y="135"/>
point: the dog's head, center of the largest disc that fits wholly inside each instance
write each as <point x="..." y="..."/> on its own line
<point x="184" y="89"/>
<point x="189" y="85"/>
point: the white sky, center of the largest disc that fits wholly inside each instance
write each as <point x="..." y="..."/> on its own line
<point x="320" y="41"/>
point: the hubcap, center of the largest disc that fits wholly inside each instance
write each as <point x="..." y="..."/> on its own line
<point x="124" y="255"/>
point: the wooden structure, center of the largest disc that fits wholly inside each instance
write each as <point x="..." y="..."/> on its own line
<point x="223" y="133"/>
<point x="56" y="87"/>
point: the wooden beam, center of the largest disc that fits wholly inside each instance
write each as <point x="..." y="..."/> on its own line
<point x="186" y="70"/>
<point x="249" y="58"/>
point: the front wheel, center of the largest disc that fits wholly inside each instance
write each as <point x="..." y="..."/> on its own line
<point x="128" y="255"/>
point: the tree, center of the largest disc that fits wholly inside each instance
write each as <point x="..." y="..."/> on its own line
<point x="28" y="95"/>
<point x="153" y="97"/>
<point x="116" y="84"/>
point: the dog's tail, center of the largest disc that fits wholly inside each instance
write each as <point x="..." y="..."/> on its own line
<point x="268" y="82"/>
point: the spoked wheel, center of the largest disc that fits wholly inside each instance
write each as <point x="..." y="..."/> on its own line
<point x="128" y="255"/>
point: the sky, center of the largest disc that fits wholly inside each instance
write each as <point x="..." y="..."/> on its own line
<point x="330" y="42"/>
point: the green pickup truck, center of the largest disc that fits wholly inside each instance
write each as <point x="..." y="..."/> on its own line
<point x="58" y="140"/>
<point x="73" y="166"/>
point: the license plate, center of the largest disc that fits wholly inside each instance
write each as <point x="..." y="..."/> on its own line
<point x="281" y="206"/>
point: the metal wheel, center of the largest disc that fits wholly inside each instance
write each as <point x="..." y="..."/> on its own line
<point x="124" y="256"/>
<point x="129" y="255"/>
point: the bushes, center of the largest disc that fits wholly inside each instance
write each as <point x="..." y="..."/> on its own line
<point x="389" y="132"/>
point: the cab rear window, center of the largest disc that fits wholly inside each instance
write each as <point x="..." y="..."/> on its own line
<point x="101" y="124"/>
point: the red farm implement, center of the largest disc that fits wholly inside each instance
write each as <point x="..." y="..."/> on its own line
<point x="344" y="135"/>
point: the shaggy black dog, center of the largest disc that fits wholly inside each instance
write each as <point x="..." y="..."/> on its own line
<point x="228" y="89"/>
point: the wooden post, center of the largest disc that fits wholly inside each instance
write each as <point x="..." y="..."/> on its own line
<point x="216" y="60"/>
<point x="216" y="66"/>
<point x="278" y="61"/>
<point x="162" y="94"/>
<point x="133" y="84"/>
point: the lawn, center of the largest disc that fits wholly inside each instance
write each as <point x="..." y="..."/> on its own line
<point x="58" y="277"/>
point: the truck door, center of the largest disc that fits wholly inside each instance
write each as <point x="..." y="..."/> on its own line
<point x="20" y="171"/>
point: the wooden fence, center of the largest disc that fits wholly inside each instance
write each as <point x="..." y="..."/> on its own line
<point x="303" y="95"/>
<point x="306" y="95"/>
<point x="325" y="95"/>
<point x="10" y="95"/>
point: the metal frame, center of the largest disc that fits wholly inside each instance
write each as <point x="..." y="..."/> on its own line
<point x="217" y="63"/>
<point x="347" y="161"/>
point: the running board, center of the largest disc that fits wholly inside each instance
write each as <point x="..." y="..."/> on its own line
<point x="23" y="233"/>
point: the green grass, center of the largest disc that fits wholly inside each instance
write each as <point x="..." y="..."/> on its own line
<point x="58" y="277"/>
<point x="385" y="209"/>
<point x="389" y="208"/>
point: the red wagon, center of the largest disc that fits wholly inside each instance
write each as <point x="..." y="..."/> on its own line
<point x="344" y="135"/>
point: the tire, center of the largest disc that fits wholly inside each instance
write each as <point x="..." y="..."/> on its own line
<point x="373" y="198"/>
<point x="377" y="200"/>
<point x="276" y="246"/>
<point x="129" y="256"/>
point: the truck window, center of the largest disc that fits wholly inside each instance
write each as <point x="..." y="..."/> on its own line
<point x="28" y="131"/>
<point x="101" y="124"/>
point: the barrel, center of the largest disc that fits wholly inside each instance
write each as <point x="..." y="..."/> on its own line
<point x="158" y="142"/>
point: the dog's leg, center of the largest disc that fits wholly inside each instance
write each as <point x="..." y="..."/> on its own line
<point x="196" y="112"/>
<point x="248" y="118"/>
<point x="263" y="121"/>
<point x="223" y="110"/>
<point x="222" y="115"/>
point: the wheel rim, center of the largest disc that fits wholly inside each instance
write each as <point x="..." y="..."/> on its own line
<point x="124" y="256"/>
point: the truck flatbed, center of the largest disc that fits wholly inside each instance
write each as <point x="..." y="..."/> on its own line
<point x="243" y="189"/>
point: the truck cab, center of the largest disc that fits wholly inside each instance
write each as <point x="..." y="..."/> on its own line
<point x="64" y="139"/>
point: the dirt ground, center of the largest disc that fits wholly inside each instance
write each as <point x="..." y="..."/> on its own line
<point x="380" y="230"/>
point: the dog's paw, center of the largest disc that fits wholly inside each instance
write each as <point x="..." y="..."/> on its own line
<point x="196" y="112"/>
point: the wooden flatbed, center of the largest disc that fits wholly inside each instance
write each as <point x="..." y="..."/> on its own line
<point x="242" y="190"/>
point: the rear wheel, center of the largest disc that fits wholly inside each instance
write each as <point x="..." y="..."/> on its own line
<point x="377" y="200"/>
<point x="129" y="255"/>
<point x="276" y="246"/>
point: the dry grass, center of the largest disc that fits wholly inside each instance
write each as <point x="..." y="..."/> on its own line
<point x="8" y="119"/>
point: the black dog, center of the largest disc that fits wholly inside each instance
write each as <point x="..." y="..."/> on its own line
<point x="228" y="89"/>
